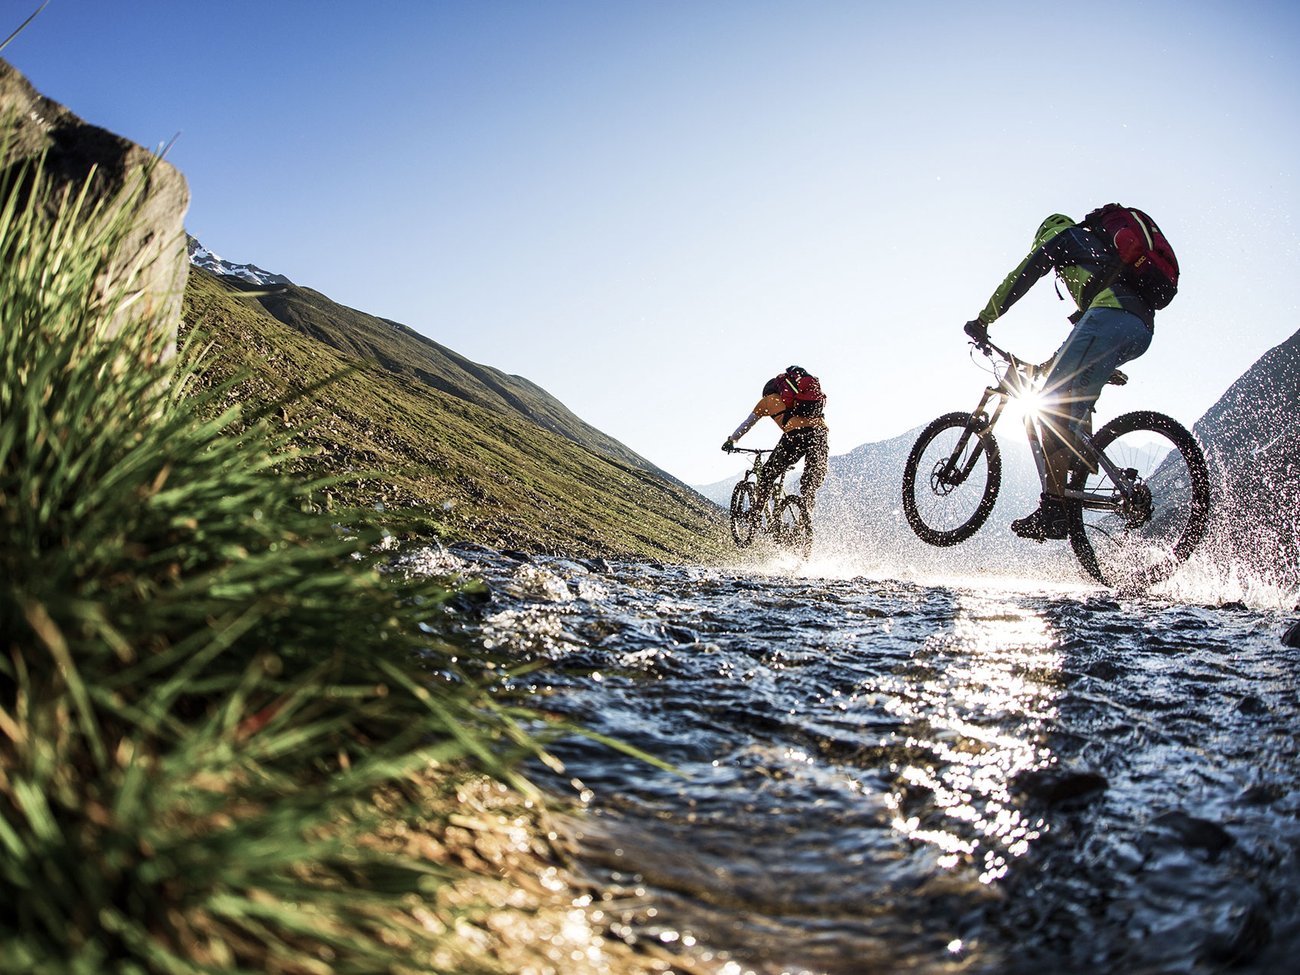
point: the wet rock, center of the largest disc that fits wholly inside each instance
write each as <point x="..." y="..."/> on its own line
<point x="681" y="635"/>
<point x="1058" y="785"/>
<point x="78" y="154"/>
<point x="1262" y="794"/>
<point x="1250" y="704"/>
<point x="1196" y="833"/>
<point x="569" y="566"/>
<point x="1103" y="670"/>
<point x="1252" y="936"/>
<point x="472" y="548"/>
<point x="533" y="582"/>
<point x="1291" y="638"/>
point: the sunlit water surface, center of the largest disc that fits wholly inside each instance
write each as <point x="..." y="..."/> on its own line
<point x="979" y="774"/>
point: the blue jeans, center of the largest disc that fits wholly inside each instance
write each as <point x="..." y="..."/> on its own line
<point x="1104" y="339"/>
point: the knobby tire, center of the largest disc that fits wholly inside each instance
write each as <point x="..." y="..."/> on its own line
<point x="941" y="510"/>
<point x="795" y="526"/>
<point x="1137" y="549"/>
<point x="742" y="513"/>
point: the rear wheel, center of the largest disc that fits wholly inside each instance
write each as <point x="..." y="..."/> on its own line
<point x="1138" y="543"/>
<point x="794" y="526"/>
<point x="951" y="479"/>
<point x="742" y="513"/>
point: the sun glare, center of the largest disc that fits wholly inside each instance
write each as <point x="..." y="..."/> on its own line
<point x="1028" y="404"/>
<point x="982" y="720"/>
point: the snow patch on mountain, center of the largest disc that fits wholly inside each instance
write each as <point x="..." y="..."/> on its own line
<point x="200" y="256"/>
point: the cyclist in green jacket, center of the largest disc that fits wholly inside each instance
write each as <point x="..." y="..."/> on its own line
<point x="1112" y="326"/>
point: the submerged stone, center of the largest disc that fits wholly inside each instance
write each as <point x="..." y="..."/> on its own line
<point x="1197" y="833"/>
<point x="1061" y="785"/>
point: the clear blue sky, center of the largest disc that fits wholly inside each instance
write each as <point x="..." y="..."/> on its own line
<point x="649" y="207"/>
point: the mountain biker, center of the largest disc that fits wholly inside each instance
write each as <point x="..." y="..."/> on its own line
<point x="1112" y="326"/>
<point x="794" y="400"/>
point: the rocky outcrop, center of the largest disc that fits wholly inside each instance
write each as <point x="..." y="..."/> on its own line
<point x="75" y="151"/>
<point x="1252" y="446"/>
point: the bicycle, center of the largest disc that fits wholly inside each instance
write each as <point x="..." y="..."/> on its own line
<point x="1137" y="494"/>
<point x="784" y="517"/>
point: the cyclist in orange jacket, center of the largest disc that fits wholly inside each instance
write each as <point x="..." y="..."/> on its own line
<point x="795" y="401"/>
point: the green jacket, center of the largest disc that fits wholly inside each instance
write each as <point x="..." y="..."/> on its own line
<point x="1083" y="265"/>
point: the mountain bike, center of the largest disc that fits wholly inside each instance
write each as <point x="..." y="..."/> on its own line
<point x="784" y="517"/>
<point x="1137" y="494"/>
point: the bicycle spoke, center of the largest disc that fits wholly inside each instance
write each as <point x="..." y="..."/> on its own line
<point x="1139" y="539"/>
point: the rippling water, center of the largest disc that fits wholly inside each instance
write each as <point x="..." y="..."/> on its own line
<point x="870" y="775"/>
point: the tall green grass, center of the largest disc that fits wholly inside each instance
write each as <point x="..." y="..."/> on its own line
<point x="203" y="684"/>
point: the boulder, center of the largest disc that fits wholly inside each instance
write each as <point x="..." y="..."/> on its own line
<point x="73" y="149"/>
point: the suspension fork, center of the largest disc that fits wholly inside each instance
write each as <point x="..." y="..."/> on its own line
<point x="981" y="423"/>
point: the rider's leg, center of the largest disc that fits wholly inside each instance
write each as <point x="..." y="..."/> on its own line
<point x="815" y="466"/>
<point x="1104" y="339"/>
<point x="784" y="456"/>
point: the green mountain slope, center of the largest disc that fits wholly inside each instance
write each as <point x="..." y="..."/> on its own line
<point x="462" y="451"/>
<point x="405" y="352"/>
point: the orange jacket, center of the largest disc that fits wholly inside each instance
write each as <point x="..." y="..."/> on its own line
<point x="775" y="406"/>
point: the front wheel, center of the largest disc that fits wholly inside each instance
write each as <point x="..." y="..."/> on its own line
<point x="794" y="526"/>
<point x="951" y="479"/>
<point x="742" y="513"/>
<point x="1139" y="542"/>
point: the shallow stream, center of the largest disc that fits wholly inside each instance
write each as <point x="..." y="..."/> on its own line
<point x="937" y="775"/>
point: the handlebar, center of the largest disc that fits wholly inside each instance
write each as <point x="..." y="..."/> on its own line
<point x="1116" y="378"/>
<point x="989" y="348"/>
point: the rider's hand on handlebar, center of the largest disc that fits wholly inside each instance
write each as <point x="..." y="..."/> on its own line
<point x="729" y="446"/>
<point x="978" y="331"/>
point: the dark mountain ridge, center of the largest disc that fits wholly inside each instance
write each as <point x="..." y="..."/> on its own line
<point x="1252" y="446"/>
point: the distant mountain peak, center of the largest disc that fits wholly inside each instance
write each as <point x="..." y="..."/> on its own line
<point x="200" y="256"/>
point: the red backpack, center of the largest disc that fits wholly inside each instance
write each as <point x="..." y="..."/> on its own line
<point x="1148" y="262"/>
<point x="803" y="395"/>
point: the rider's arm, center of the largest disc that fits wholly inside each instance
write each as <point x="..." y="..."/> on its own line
<point x="1019" y="281"/>
<point x="767" y="406"/>
<point x="743" y="429"/>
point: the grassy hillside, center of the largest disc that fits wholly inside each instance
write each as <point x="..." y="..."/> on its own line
<point x="447" y="447"/>
<point x="405" y="352"/>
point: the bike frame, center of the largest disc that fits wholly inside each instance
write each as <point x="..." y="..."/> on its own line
<point x="1018" y="378"/>
<point x="778" y="494"/>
